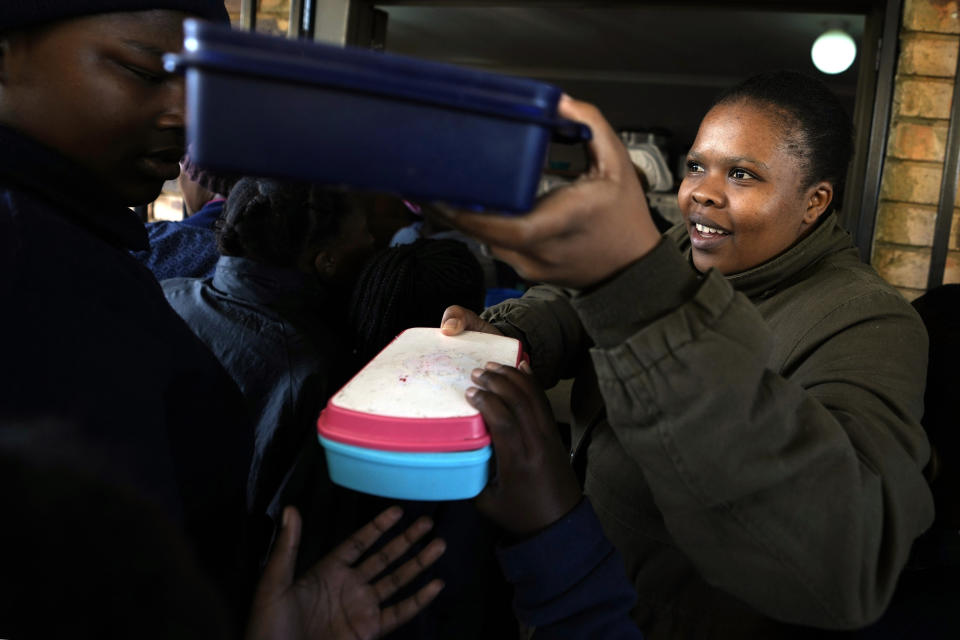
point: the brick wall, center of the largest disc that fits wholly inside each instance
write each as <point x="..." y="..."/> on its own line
<point x="273" y="16"/>
<point x="910" y="186"/>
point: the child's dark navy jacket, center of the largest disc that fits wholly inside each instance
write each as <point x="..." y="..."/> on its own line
<point x="570" y="582"/>
<point x="89" y="341"/>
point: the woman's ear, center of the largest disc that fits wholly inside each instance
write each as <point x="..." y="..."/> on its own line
<point x="821" y="195"/>
<point x="4" y="48"/>
<point x="325" y="264"/>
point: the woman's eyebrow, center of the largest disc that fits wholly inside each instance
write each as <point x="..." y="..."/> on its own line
<point x="143" y="47"/>
<point x="693" y="155"/>
<point x="748" y="160"/>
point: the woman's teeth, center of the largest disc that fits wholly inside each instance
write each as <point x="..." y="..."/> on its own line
<point x="709" y="231"/>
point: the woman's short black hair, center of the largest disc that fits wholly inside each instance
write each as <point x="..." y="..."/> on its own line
<point x="282" y="224"/>
<point x="410" y="285"/>
<point x="817" y="128"/>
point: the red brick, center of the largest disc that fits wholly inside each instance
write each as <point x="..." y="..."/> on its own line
<point x="955" y="230"/>
<point x="906" y="181"/>
<point x="900" y="223"/>
<point x="951" y="273"/>
<point x="918" y="141"/>
<point x="907" y="268"/>
<point x="924" y="54"/>
<point x="923" y="97"/>
<point x="940" y="16"/>
<point x="910" y="294"/>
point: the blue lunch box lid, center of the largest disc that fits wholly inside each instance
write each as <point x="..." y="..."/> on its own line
<point x="215" y="47"/>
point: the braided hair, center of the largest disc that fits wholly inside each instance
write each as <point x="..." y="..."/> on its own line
<point x="282" y="224"/>
<point x="817" y="129"/>
<point x="410" y="286"/>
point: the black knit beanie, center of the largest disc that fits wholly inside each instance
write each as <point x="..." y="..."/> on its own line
<point x="213" y="181"/>
<point x="17" y="14"/>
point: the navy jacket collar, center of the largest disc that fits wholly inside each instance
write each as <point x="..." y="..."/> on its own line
<point x="270" y="286"/>
<point x="73" y="192"/>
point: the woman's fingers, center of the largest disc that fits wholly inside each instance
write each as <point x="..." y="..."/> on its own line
<point x="457" y="319"/>
<point x="606" y="150"/>
<point x="550" y="217"/>
<point x="377" y="562"/>
<point x="389" y="584"/>
<point x="402" y="612"/>
<point x="356" y="545"/>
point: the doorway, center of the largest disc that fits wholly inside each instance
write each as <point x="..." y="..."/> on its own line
<point x="654" y="68"/>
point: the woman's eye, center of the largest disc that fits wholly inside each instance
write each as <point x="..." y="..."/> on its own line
<point x="693" y="167"/>
<point x="741" y="174"/>
<point x="150" y="77"/>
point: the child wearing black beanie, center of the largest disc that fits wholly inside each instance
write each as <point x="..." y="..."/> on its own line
<point x="20" y="14"/>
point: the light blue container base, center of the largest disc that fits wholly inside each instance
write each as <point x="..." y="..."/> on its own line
<point x="457" y="475"/>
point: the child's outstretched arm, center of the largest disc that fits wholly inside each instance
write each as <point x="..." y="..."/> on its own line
<point x="534" y="485"/>
<point x="336" y="600"/>
<point x="569" y="580"/>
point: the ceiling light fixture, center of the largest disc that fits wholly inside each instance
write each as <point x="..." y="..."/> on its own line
<point x="834" y="51"/>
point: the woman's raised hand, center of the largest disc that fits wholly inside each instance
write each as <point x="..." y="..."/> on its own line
<point x="579" y="234"/>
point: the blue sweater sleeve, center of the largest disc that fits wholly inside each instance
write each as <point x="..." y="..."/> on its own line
<point x="570" y="582"/>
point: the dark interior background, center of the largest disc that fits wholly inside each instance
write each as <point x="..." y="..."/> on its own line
<point x="650" y="68"/>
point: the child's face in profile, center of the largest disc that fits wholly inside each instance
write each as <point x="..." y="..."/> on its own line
<point x="350" y="249"/>
<point x="94" y="89"/>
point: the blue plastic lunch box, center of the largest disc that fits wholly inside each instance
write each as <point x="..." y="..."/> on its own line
<point x="270" y="106"/>
<point x="404" y="475"/>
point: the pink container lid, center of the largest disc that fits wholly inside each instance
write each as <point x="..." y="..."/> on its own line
<point x="410" y="397"/>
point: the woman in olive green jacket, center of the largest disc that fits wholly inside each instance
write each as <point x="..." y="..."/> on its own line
<point x="747" y="393"/>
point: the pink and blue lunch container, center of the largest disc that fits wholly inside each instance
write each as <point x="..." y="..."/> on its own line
<point x="402" y="428"/>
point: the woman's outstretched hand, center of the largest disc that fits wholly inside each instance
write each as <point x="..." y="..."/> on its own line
<point x="579" y="234"/>
<point x="534" y="485"/>
<point x="336" y="600"/>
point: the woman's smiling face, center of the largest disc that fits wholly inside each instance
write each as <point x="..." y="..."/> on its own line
<point x="743" y="197"/>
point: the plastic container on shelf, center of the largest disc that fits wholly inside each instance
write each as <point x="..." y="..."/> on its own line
<point x="405" y="414"/>
<point x="265" y="105"/>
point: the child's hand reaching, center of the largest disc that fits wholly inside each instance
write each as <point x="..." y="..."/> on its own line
<point x="335" y="600"/>
<point x="534" y="485"/>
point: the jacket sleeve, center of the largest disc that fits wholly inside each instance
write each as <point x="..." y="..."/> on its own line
<point x="799" y="492"/>
<point x="569" y="581"/>
<point x="549" y="328"/>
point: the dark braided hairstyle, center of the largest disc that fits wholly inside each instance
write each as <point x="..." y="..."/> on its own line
<point x="410" y="286"/>
<point x="282" y="224"/>
<point x="818" y="130"/>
